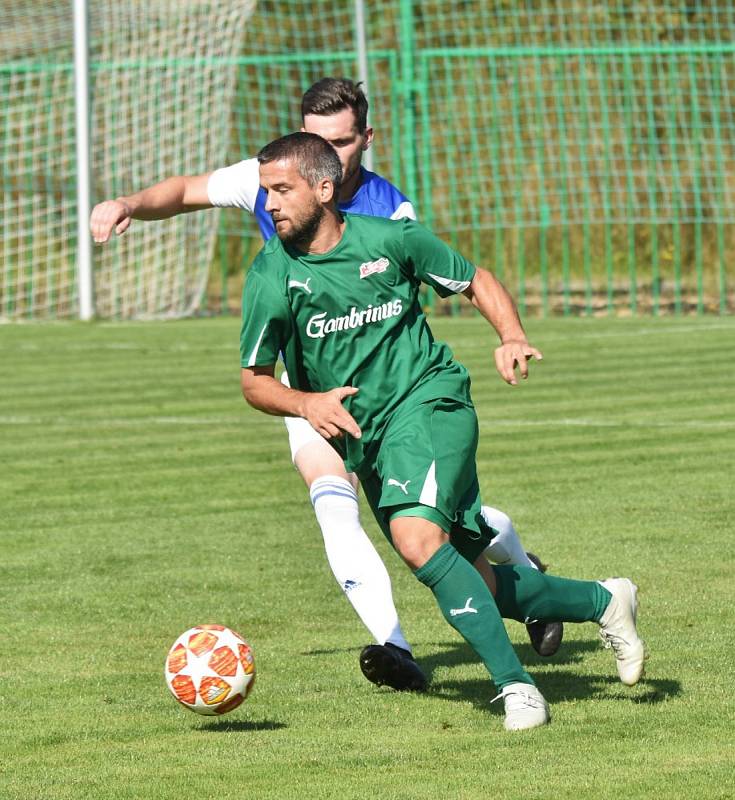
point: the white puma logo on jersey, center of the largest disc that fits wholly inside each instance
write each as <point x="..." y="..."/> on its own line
<point x="455" y="612"/>
<point x="401" y="486"/>
<point x="299" y="285"/>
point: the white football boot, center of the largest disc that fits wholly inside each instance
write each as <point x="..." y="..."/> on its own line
<point x="618" y="631"/>
<point x="525" y="707"/>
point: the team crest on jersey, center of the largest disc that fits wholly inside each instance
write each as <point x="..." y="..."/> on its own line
<point x="372" y="267"/>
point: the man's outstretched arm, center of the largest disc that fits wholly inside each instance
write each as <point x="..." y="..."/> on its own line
<point x="176" y="195"/>
<point x="323" y="410"/>
<point x="235" y="186"/>
<point x="488" y="295"/>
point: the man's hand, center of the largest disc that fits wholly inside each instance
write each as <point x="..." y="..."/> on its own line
<point x="178" y="194"/>
<point x="514" y="353"/>
<point x="323" y="410"/>
<point x="326" y="414"/>
<point x="491" y="298"/>
<point x="108" y="215"/>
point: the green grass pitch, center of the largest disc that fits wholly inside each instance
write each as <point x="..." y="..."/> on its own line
<point x="140" y="496"/>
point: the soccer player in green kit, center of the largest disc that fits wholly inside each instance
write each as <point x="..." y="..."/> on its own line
<point x="337" y="296"/>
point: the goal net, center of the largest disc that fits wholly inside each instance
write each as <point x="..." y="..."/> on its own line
<point x="161" y="91"/>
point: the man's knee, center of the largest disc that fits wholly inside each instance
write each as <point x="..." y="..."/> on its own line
<point x="416" y="539"/>
<point x="317" y="459"/>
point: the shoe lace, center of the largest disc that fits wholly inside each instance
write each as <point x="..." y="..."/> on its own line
<point x="612" y="640"/>
<point x="518" y="697"/>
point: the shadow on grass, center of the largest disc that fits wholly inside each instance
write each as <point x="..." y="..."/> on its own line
<point x="454" y="654"/>
<point x="334" y="650"/>
<point x="451" y="654"/>
<point x="226" y="726"/>
<point x="556" y="685"/>
<point x="569" y="652"/>
<point x="561" y="686"/>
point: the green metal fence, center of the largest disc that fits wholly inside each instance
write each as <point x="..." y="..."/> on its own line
<point x="589" y="173"/>
<point x="587" y="154"/>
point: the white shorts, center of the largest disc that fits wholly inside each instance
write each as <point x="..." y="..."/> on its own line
<point x="299" y="430"/>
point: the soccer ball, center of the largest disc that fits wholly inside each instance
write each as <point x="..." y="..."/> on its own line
<point x="210" y="669"/>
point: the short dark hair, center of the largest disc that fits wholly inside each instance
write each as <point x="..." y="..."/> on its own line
<point x="315" y="158"/>
<point x="331" y="95"/>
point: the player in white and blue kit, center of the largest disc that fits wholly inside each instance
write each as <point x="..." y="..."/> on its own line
<point x="238" y="186"/>
<point x="336" y="110"/>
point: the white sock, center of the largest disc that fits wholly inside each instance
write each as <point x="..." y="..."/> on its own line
<point x="355" y="563"/>
<point x="506" y="547"/>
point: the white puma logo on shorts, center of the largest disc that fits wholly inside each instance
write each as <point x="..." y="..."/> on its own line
<point x="300" y="285"/>
<point x="455" y="612"/>
<point x="402" y="486"/>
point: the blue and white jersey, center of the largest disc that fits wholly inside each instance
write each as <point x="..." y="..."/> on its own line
<point x="238" y="186"/>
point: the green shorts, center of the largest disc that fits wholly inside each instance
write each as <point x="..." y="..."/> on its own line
<point x="425" y="466"/>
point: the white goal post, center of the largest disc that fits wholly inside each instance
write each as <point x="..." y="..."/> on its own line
<point x="161" y="85"/>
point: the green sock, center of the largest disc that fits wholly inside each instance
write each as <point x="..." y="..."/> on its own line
<point x="468" y="606"/>
<point x="528" y="594"/>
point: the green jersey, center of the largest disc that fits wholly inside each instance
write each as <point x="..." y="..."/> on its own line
<point x="351" y="317"/>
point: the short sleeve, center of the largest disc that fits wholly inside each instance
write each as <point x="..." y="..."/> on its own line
<point x="404" y="211"/>
<point x="265" y="322"/>
<point x="434" y="262"/>
<point x="235" y="186"/>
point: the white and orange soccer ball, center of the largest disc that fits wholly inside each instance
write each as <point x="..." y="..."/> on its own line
<point x="210" y="669"/>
